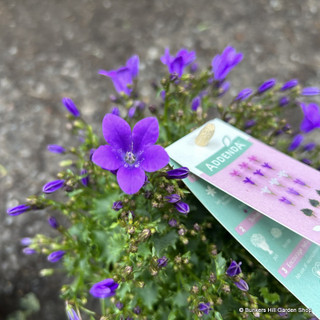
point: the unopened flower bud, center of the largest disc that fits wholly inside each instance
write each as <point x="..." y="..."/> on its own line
<point x="127" y="270"/>
<point x="145" y="234"/>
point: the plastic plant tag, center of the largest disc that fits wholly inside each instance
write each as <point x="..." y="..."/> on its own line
<point x="293" y="260"/>
<point x="259" y="176"/>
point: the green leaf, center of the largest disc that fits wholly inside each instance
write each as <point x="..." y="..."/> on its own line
<point x="149" y="294"/>
<point x="220" y="263"/>
<point x="268" y="296"/>
<point x="180" y="299"/>
<point x="314" y="203"/>
<point x="307" y="212"/>
<point x="163" y="242"/>
<point x="318" y="192"/>
<point x="217" y="315"/>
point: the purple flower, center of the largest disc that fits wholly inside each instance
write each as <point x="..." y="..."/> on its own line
<point x="131" y="112"/>
<point x="26" y="241"/>
<point x="223" y="88"/>
<point x="204" y="307"/>
<point x="242" y="285"/>
<point x="296" y="141"/>
<point x="55" y="256"/>
<point x="244" y="94"/>
<point x="248" y="180"/>
<point x="71" y="107"/>
<point x="298" y="181"/>
<point x="293" y="191"/>
<point x="137" y="310"/>
<point x="172" y="222"/>
<point x="104" y="289"/>
<point x="72" y="315"/>
<point x="244" y="165"/>
<point x="54" y="148"/>
<point x="235" y="173"/>
<point x="182" y="207"/>
<point x="290" y="84"/>
<point x="250" y="123"/>
<point x="223" y="63"/>
<point x="119" y="305"/>
<point x="130" y="153"/>
<point x="285" y="200"/>
<point x="85" y="179"/>
<point x="15" y="211"/>
<point x="283" y="101"/>
<point x="309" y="146"/>
<point x="177" y="63"/>
<point x="117" y="205"/>
<point x="162" y="262"/>
<point x="234" y="269"/>
<point x="266" y="165"/>
<point x="53" y="186"/>
<point x="173" y="198"/>
<point x="180" y="173"/>
<point x="29" y="251"/>
<point x="267" y="85"/>
<point x="253" y="159"/>
<point x="195" y="103"/>
<point x="258" y="172"/>
<point x="122" y="78"/>
<point x="310" y="91"/>
<point x="311" y="119"/>
<point x="53" y="222"/>
<point x="163" y="95"/>
<point x="306" y="161"/>
<point x="194" y="67"/>
<point x="115" y="111"/>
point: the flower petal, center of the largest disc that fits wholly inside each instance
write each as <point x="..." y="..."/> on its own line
<point x="130" y="179"/>
<point x="117" y="132"/>
<point x="154" y="158"/>
<point x="133" y="65"/>
<point x="106" y="158"/>
<point x="144" y="133"/>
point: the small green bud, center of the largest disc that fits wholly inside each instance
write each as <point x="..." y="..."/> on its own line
<point x="226" y="288"/>
<point x="46" y="272"/>
<point x="145" y="234"/>
<point x="195" y="289"/>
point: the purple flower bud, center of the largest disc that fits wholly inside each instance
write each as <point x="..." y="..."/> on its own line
<point x="180" y="173"/>
<point x="285" y="200"/>
<point x="91" y="153"/>
<point x="84" y="180"/>
<point x="195" y="103"/>
<point x="131" y="112"/>
<point x="55" y="256"/>
<point x="54" y="148"/>
<point x="115" y="111"/>
<point x="290" y="84"/>
<point x="182" y="207"/>
<point x="172" y="222"/>
<point x="267" y="85"/>
<point x="137" y="310"/>
<point x="204" y="307"/>
<point x="296" y="141"/>
<point x="293" y="191"/>
<point x="53" y="222"/>
<point x="113" y="98"/>
<point x="162" y="262"/>
<point x="194" y="67"/>
<point x="72" y="315"/>
<point x="298" y="181"/>
<point x="242" y="285"/>
<point x="15" y="211"/>
<point x="310" y="91"/>
<point x="53" y="186"/>
<point x="117" y="205"/>
<point x="248" y="180"/>
<point x="306" y="161"/>
<point x="71" y="107"/>
<point x="28" y="251"/>
<point x="104" y="289"/>
<point x="173" y="198"/>
<point x="26" y="241"/>
<point x="283" y="101"/>
<point x="250" y="123"/>
<point x="234" y="269"/>
<point x="119" y="305"/>
<point x="309" y="147"/>
<point x="244" y="94"/>
<point x="223" y="88"/>
<point x="163" y="95"/>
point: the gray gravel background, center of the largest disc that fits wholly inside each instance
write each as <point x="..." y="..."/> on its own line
<point x="52" y="49"/>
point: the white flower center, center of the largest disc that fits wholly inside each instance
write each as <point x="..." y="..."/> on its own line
<point x="130" y="158"/>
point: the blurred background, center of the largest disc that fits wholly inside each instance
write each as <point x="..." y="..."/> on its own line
<point x="53" y="49"/>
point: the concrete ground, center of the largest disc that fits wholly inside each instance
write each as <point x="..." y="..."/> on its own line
<point x="52" y="49"/>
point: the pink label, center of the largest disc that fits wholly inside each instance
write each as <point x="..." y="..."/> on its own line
<point x="248" y="222"/>
<point x="294" y="258"/>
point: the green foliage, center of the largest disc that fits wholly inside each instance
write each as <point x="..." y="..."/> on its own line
<point x="269" y="297"/>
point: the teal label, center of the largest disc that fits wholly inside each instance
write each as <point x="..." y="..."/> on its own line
<point x="230" y="152"/>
